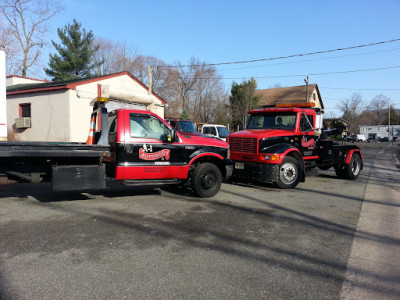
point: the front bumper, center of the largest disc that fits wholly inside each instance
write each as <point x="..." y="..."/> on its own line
<point x="246" y="171"/>
<point x="229" y="168"/>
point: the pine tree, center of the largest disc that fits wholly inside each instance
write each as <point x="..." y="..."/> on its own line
<point x="243" y="99"/>
<point x="74" y="58"/>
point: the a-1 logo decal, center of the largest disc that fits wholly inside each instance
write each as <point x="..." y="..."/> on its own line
<point x="146" y="153"/>
<point x="309" y="144"/>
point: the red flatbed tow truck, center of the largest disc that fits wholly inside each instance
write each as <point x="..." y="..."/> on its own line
<point x="132" y="146"/>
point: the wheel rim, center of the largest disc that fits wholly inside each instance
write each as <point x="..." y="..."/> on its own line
<point x="288" y="172"/>
<point x="355" y="167"/>
<point x="208" y="180"/>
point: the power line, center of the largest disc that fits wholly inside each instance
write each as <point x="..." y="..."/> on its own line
<point x="353" y="71"/>
<point x="362" y="89"/>
<point x="307" y="60"/>
<point x="303" y="75"/>
<point x="288" y="56"/>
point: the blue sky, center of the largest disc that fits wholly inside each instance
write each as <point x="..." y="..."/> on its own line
<point x="216" y="31"/>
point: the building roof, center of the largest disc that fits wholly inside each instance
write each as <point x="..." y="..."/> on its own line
<point x="68" y="84"/>
<point x="270" y="97"/>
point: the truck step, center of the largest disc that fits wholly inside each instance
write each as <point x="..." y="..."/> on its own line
<point x="151" y="182"/>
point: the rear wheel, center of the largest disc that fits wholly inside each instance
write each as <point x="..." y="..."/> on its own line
<point x="206" y="180"/>
<point x="352" y="170"/>
<point x="289" y="173"/>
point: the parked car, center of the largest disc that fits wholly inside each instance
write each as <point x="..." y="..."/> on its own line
<point x="361" y="138"/>
<point x="185" y="127"/>
<point x="348" y="138"/>
<point x="352" y="138"/>
<point x="217" y="131"/>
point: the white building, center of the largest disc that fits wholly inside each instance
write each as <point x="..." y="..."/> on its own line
<point x="40" y="110"/>
<point x="377" y="132"/>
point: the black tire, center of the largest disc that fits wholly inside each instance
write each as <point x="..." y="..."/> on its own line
<point x="206" y="180"/>
<point x="340" y="172"/>
<point x="289" y="173"/>
<point x="353" y="169"/>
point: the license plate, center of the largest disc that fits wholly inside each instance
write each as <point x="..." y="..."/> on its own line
<point x="239" y="166"/>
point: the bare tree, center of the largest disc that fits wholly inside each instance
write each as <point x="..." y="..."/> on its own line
<point x="378" y="108"/>
<point x="158" y="71"/>
<point x="180" y="83"/>
<point x="26" y="21"/>
<point x="352" y="108"/>
<point x="12" y="50"/>
<point x="196" y="89"/>
<point x="113" y="57"/>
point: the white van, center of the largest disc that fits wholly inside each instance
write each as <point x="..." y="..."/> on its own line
<point x="217" y="131"/>
<point x="361" y="138"/>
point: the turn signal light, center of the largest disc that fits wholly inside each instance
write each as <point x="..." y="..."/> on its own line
<point x="273" y="157"/>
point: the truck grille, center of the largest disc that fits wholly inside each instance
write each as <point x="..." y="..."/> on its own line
<point x="246" y="145"/>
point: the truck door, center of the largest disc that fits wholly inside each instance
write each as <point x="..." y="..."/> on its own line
<point x="308" y="142"/>
<point x="148" y="152"/>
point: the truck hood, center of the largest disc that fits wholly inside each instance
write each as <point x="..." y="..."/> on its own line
<point x="261" y="133"/>
<point x="202" y="140"/>
<point x="192" y="133"/>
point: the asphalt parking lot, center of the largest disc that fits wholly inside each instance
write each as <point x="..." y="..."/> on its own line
<point x="248" y="242"/>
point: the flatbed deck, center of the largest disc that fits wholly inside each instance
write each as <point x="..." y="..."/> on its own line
<point x="51" y="149"/>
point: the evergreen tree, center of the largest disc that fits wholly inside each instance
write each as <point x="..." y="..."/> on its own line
<point x="394" y="117"/>
<point x="74" y="58"/>
<point x="185" y="115"/>
<point x="243" y="99"/>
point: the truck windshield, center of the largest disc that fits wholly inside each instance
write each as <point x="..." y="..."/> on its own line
<point x="273" y="120"/>
<point x="223" y="132"/>
<point x="186" y="126"/>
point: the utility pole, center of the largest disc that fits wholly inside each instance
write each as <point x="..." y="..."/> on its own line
<point x="389" y="122"/>
<point x="3" y="103"/>
<point x="306" y="81"/>
<point x="149" y="73"/>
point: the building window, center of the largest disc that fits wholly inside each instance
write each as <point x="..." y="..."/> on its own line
<point x="25" y="110"/>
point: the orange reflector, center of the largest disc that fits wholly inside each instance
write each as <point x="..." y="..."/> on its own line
<point x="102" y="99"/>
<point x="273" y="157"/>
<point x="296" y="104"/>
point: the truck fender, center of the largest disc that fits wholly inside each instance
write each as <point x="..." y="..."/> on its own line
<point x="295" y="153"/>
<point x="350" y="153"/>
<point x="205" y="154"/>
<point x="281" y="149"/>
<point x="284" y="150"/>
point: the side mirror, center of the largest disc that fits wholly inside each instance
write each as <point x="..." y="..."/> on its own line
<point x="172" y="138"/>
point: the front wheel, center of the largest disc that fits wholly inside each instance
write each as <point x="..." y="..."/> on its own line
<point x="289" y="173"/>
<point x="206" y="180"/>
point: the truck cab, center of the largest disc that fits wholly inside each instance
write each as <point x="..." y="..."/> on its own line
<point x="282" y="143"/>
<point x="146" y="149"/>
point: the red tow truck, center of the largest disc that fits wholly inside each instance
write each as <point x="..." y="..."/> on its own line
<point x="132" y="146"/>
<point x="282" y="143"/>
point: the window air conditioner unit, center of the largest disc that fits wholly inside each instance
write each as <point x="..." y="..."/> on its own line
<point x="23" y="122"/>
